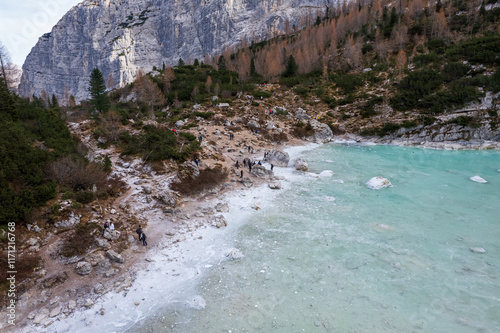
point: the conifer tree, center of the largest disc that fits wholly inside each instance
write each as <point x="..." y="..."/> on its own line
<point x="291" y="67"/>
<point x="181" y="62"/>
<point x="253" y="71"/>
<point x="221" y="64"/>
<point x="97" y="89"/>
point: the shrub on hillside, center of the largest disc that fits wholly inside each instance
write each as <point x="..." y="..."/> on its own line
<point x="80" y="240"/>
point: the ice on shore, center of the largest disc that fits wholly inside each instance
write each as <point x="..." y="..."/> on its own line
<point x="377" y="183"/>
<point x="478" y="179"/>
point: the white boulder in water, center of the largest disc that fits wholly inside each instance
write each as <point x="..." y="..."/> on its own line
<point x="300" y="165"/>
<point x="478" y="179"/>
<point x="377" y="183"/>
<point x="326" y="173"/>
<point x="478" y="250"/>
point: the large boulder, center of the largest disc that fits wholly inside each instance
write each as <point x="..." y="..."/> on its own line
<point x="253" y="124"/>
<point x="99" y="242"/>
<point x="261" y="172"/>
<point x="55" y="280"/>
<point x="94" y="258"/>
<point x="301" y="165"/>
<point x="277" y="157"/>
<point x="114" y="256"/>
<point x="188" y="170"/>
<point x="169" y="198"/>
<point x="83" y="268"/>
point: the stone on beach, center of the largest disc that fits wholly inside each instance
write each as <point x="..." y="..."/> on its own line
<point x="83" y="268"/>
<point x="222" y="207"/>
<point x="261" y="172"/>
<point x="377" y="183"/>
<point x="478" y="179"/>
<point x="113" y="256"/>
<point x="219" y="222"/>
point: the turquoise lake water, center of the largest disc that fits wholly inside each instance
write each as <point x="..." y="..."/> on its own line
<point x="331" y="255"/>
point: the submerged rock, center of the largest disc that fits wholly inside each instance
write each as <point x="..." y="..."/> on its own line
<point x="275" y="186"/>
<point x="478" y="179"/>
<point x="477" y="250"/>
<point x="234" y="254"/>
<point x="377" y="183"/>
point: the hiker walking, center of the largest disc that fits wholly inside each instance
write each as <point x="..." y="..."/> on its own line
<point x="241" y="175"/>
<point x="139" y="232"/>
<point x="272" y="167"/>
<point x="143" y="237"/>
<point x="237" y="164"/>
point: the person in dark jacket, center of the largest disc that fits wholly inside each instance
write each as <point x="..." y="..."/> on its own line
<point x="106" y="226"/>
<point x="139" y="232"/>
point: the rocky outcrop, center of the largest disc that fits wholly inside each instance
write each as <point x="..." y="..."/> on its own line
<point x="447" y="133"/>
<point x="322" y="132"/>
<point x="120" y="37"/>
<point x="188" y="170"/>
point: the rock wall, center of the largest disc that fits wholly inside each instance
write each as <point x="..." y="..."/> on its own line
<point x="122" y="36"/>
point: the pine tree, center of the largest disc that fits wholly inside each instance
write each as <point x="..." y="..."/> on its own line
<point x="221" y="64"/>
<point x="196" y="62"/>
<point x="181" y="62"/>
<point x="54" y="103"/>
<point x="97" y="89"/>
<point x="291" y="67"/>
<point x="253" y="71"/>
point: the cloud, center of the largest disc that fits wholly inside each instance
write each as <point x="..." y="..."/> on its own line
<point x="23" y="22"/>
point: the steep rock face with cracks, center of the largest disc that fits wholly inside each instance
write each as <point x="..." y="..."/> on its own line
<point x="122" y="36"/>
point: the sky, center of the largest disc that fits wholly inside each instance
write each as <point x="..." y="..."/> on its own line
<point x="22" y="22"/>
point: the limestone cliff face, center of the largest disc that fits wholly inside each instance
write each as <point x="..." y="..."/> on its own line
<point x="122" y="36"/>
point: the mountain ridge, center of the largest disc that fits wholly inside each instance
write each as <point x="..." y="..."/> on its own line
<point x="121" y="37"/>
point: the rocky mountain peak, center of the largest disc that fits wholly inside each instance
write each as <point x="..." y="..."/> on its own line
<point x="122" y="36"/>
